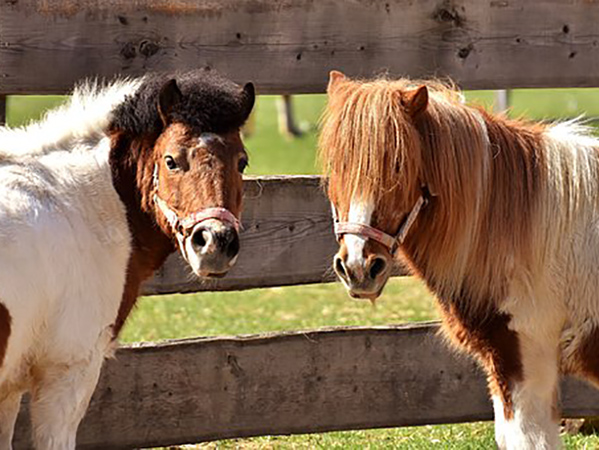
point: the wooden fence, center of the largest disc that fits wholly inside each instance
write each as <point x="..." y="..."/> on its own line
<point x="332" y="379"/>
<point x="299" y="382"/>
<point x="289" y="46"/>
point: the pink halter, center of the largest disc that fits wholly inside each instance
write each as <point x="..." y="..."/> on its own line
<point x="364" y="230"/>
<point x="185" y="225"/>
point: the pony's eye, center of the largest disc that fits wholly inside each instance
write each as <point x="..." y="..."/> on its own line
<point x="242" y="164"/>
<point x="170" y="162"/>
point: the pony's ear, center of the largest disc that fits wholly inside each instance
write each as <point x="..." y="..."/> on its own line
<point x="415" y="101"/>
<point x="169" y="97"/>
<point x="334" y="78"/>
<point x="249" y="98"/>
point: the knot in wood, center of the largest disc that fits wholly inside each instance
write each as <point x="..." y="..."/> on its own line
<point x="128" y="51"/>
<point x="465" y="51"/>
<point x="448" y="14"/>
<point x="148" y="48"/>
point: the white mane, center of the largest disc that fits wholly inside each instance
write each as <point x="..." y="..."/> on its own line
<point x="84" y="117"/>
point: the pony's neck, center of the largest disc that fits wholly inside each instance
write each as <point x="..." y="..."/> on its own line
<point x="131" y="163"/>
<point x="485" y="173"/>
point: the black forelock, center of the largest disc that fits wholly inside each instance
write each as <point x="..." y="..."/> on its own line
<point x="210" y="103"/>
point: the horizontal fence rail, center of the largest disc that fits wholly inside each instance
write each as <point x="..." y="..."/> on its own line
<point x="314" y="381"/>
<point x="287" y="239"/>
<point x="289" y="46"/>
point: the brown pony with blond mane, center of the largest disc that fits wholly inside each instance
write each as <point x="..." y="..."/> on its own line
<point x="498" y="217"/>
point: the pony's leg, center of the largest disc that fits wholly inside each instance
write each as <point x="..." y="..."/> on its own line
<point x="60" y="398"/>
<point x="499" y="422"/>
<point x="526" y="415"/>
<point x="9" y="409"/>
<point x="522" y="368"/>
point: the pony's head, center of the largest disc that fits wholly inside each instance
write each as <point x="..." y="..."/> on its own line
<point x="371" y="151"/>
<point x="185" y="137"/>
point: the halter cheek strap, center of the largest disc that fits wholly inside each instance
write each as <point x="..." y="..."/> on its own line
<point x="364" y="230"/>
<point x="182" y="227"/>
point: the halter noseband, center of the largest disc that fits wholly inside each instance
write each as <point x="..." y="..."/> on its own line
<point x="182" y="227"/>
<point x="367" y="231"/>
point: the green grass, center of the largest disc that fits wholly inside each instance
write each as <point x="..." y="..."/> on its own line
<point x="274" y="309"/>
<point x="304" y="307"/>
<point x="463" y="437"/>
<point x="22" y="109"/>
<point x="545" y="103"/>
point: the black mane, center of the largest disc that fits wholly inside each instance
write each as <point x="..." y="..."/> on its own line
<point x="211" y="103"/>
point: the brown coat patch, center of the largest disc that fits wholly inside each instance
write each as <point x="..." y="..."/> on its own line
<point x="5" y="328"/>
<point x="490" y="340"/>
<point x="208" y="176"/>
<point x="132" y="178"/>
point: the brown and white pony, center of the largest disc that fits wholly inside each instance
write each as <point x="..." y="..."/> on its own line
<point x="499" y="217"/>
<point x="92" y="201"/>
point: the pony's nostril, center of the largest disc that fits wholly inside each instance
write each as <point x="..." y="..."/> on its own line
<point x="340" y="268"/>
<point x="232" y="248"/>
<point x="377" y="267"/>
<point x="227" y="242"/>
<point x="200" y="238"/>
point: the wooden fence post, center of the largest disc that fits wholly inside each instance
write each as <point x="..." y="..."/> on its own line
<point x="287" y="123"/>
<point x="2" y="110"/>
<point x="503" y="99"/>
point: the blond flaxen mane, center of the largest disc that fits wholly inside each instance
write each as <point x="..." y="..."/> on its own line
<point x="361" y="120"/>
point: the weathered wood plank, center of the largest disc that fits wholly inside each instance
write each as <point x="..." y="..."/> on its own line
<point x="287" y="239"/>
<point x="300" y="382"/>
<point x="289" y="46"/>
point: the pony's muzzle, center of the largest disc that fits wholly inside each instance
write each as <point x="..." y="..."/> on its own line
<point x="212" y="248"/>
<point x="364" y="279"/>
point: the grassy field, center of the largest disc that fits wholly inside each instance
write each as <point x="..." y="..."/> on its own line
<point x="294" y="308"/>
